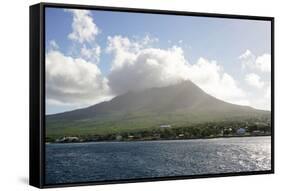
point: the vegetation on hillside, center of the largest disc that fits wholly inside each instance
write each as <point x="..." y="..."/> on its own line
<point x="252" y="127"/>
<point x="184" y="108"/>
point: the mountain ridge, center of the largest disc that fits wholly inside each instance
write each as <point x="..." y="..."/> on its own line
<point x="178" y="105"/>
<point x="126" y="98"/>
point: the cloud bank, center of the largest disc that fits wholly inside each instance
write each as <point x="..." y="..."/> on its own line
<point x="70" y="80"/>
<point x="75" y="79"/>
<point x="254" y="80"/>
<point x="259" y="63"/>
<point x="136" y="67"/>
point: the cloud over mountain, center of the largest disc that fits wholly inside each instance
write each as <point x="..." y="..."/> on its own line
<point x="76" y="74"/>
<point x="254" y="80"/>
<point x="136" y="67"/>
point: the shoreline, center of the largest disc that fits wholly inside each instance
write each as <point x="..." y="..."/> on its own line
<point x="149" y="140"/>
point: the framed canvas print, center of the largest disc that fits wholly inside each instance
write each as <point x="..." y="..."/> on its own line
<point x="127" y="95"/>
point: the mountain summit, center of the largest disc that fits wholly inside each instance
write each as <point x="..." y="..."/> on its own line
<point x="180" y="104"/>
<point x="184" y="96"/>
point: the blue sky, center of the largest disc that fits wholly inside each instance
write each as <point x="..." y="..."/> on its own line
<point x="222" y="40"/>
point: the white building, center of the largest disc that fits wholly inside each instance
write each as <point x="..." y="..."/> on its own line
<point x="241" y="131"/>
<point x="165" y="126"/>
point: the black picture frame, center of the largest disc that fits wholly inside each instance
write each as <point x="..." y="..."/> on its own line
<point x="37" y="92"/>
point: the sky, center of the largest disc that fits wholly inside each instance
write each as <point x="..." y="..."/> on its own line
<point x="92" y="56"/>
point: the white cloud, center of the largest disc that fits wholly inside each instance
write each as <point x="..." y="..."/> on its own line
<point x="73" y="81"/>
<point x="83" y="36"/>
<point x="263" y="63"/>
<point x="268" y="92"/>
<point x="53" y="45"/>
<point x="83" y="27"/>
<point x="259" y="93"/>
<point x="136" y="67"/>
<point x="260" y="63"/>
<point x="246" y="54"/>
<point x="124" y="49"/>
<point x="148" y="40"/>
<point x="92" y="54"/>
<point x="254" y="80"/>
<point x="248" y="59"/>
<point x="76" y="80"/>
<point x="263" y="99"/>
<point x="211" y="78"/>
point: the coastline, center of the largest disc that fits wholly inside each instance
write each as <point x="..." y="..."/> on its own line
<point x="149" y="140"/>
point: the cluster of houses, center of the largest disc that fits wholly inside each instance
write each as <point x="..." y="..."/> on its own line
<point x="229" y="131"/>
<point x="68" y="140"/>
<point x="245" y="130"/>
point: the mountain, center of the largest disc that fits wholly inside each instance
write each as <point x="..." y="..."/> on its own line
<point x="182" y="104"/>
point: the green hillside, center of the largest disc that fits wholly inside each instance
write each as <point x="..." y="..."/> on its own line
<point x="182" y="107"/>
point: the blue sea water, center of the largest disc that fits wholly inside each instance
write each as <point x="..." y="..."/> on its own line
<point x="99" y="161"/>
